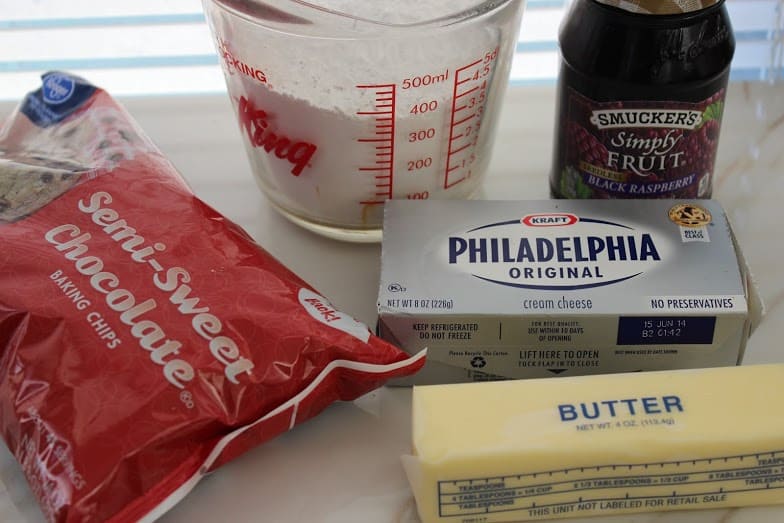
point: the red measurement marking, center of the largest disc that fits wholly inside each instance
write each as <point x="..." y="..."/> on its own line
<point x="468" y="81"/>
<point x="464" y="120"/>
<point x="463" y="148"/>
<point x="466" y="93"/>
<point x="382" y="111"/>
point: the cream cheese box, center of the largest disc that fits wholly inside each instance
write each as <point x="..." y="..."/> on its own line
<point x="523" y="289"/>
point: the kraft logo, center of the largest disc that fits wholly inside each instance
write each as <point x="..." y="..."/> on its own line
<point x="550" y="220"/>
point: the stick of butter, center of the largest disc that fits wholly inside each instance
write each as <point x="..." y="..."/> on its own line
<point x="598" y="445"/>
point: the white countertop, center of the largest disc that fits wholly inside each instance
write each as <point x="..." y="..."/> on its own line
<point x="343" y="466"/>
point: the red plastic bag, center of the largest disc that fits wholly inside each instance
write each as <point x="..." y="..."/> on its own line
<point x="145" y="339"/>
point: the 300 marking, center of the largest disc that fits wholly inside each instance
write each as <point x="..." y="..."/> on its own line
<point x="423" y="134"/>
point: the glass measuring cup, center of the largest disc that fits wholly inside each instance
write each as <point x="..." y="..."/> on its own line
<point x="341" y="109"/>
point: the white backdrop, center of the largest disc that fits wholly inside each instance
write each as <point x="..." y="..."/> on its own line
<point x="154" y="47"/>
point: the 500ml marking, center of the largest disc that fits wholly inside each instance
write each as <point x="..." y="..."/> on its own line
<point x="425" y="80"/>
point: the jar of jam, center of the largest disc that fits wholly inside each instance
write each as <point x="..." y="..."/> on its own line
<point x="640" y="98"/>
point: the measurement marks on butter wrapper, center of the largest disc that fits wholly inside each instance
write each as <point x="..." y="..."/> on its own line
<point x="608" y="487"/>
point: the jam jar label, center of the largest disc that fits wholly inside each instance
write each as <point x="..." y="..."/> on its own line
<point x="639" y="149"/>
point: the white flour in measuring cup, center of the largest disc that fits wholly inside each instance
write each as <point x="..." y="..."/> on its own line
<point x="305" y="90"/>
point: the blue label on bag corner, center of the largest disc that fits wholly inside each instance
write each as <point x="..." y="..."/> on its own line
<point x="60" y="95"/>
<point x="57" y="88"/>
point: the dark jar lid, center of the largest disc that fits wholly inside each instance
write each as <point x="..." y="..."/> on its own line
<point x="660" y="7"/>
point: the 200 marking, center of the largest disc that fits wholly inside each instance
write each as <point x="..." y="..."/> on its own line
<point x="421" y="163"/>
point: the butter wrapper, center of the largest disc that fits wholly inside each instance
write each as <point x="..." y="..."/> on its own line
<point x="530" y="450"/>
<point x="526" y="289"/>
